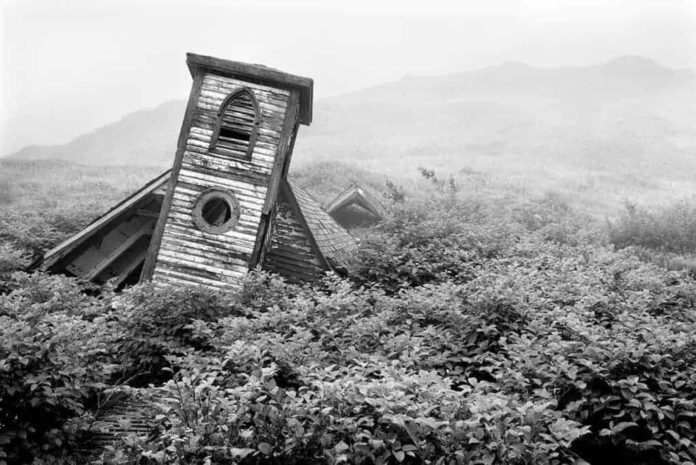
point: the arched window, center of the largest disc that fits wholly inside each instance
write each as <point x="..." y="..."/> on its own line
<point x="237" y="124"/>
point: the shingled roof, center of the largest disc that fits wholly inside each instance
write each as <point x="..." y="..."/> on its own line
<point x="334" y="242"/>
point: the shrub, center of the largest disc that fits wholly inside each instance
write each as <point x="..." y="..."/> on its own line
<point x="51" y="350"/>
<point x="158" y="322"/>
<point x="39" y="393"/>
<point x="668" y="229"/>
<point x="12" y="258"/>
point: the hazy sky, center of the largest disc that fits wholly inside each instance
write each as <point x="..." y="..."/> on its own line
<point x="71" y="66"/>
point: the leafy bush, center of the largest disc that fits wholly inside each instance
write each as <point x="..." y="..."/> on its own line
<point x="49" y="344"/>
<point x="157" y="323"/>
<point x="668" y="229"/>
<point x="429" y="239"/>
<point x="12" y="258"/>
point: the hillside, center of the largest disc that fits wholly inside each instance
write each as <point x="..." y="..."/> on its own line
<point x="146" y="138"/>
<point x="619" y="130"/>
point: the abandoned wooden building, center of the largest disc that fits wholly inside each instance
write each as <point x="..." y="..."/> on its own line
<point x="356" y="207"/>
<point x="226" y="206"/>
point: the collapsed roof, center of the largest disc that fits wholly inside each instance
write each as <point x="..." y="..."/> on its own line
<point x="305" y="240"/>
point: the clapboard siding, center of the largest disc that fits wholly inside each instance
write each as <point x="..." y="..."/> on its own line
<point x="109" y="245"/>
<point x="187" y="255"/>
<point x="291" y="254"/>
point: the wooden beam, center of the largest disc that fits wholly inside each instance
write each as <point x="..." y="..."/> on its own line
<point x="284" y="147"/>
<point x="288" y="157"/>
<point x="118" y="251"/>
<point x="132" y="265"/>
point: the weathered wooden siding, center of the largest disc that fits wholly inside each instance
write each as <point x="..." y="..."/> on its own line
<point x="187" y="255"/>
<point x="109" y="256"/>
<point x="291" y="254"/>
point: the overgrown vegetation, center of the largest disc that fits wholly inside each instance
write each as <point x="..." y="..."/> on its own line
<point x="45" y="201"/>
<point x="472" y="329"/>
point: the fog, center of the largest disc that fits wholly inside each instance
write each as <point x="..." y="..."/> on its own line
<point x="69" y="67"/>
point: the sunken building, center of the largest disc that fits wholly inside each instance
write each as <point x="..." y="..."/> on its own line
<point x="226" y="206"/>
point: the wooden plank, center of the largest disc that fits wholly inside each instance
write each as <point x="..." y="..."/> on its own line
<point x="291" y="148"/>
<point x="221" y="162"/>
<point x="272" y="194"/>
<point x="182" y="279"/>
<point x="271" y="112"/>
<point x="243" y="234"/>
<point x="118" y="251"/>
<point x="183" y="217"/>
<point x="228" y="85"/>
<point x="245" y="246"/>
<point x="233" y="83"/>
<point x="261" y="150"/>
<point x="243" y="230"/>
<point x="135" y="262"/>
<point x="246" y="199"/>
<point x="286" y="134"/>
<point x="215" y="93"/>
<point x="204" y="250"/>
<point x="192" y="165"/>
<point x="207" y="122"/>
<point x="241" y="244"/>
<point x="202" y="266"/>
<point x="250" y="210"/>
<point x="65" y="248"/>
<point x="196" y="178"/>
<point x="231" y="266"/>
<point x="207" y="119"/>
<point x="189" y="278"/>
<point x="194" y="273"/>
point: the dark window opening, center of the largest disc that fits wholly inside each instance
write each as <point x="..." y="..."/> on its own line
<point x="233" y="133"/>
<point x="216" y="212"/>
<point x="354" y="216"/>
<point x="237" y="125"/>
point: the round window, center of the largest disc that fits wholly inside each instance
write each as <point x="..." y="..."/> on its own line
<point x="216" y="210"/>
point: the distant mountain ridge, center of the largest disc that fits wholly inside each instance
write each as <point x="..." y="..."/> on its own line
<point x="628" y="107"/>
<point x="146" y="137"/>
